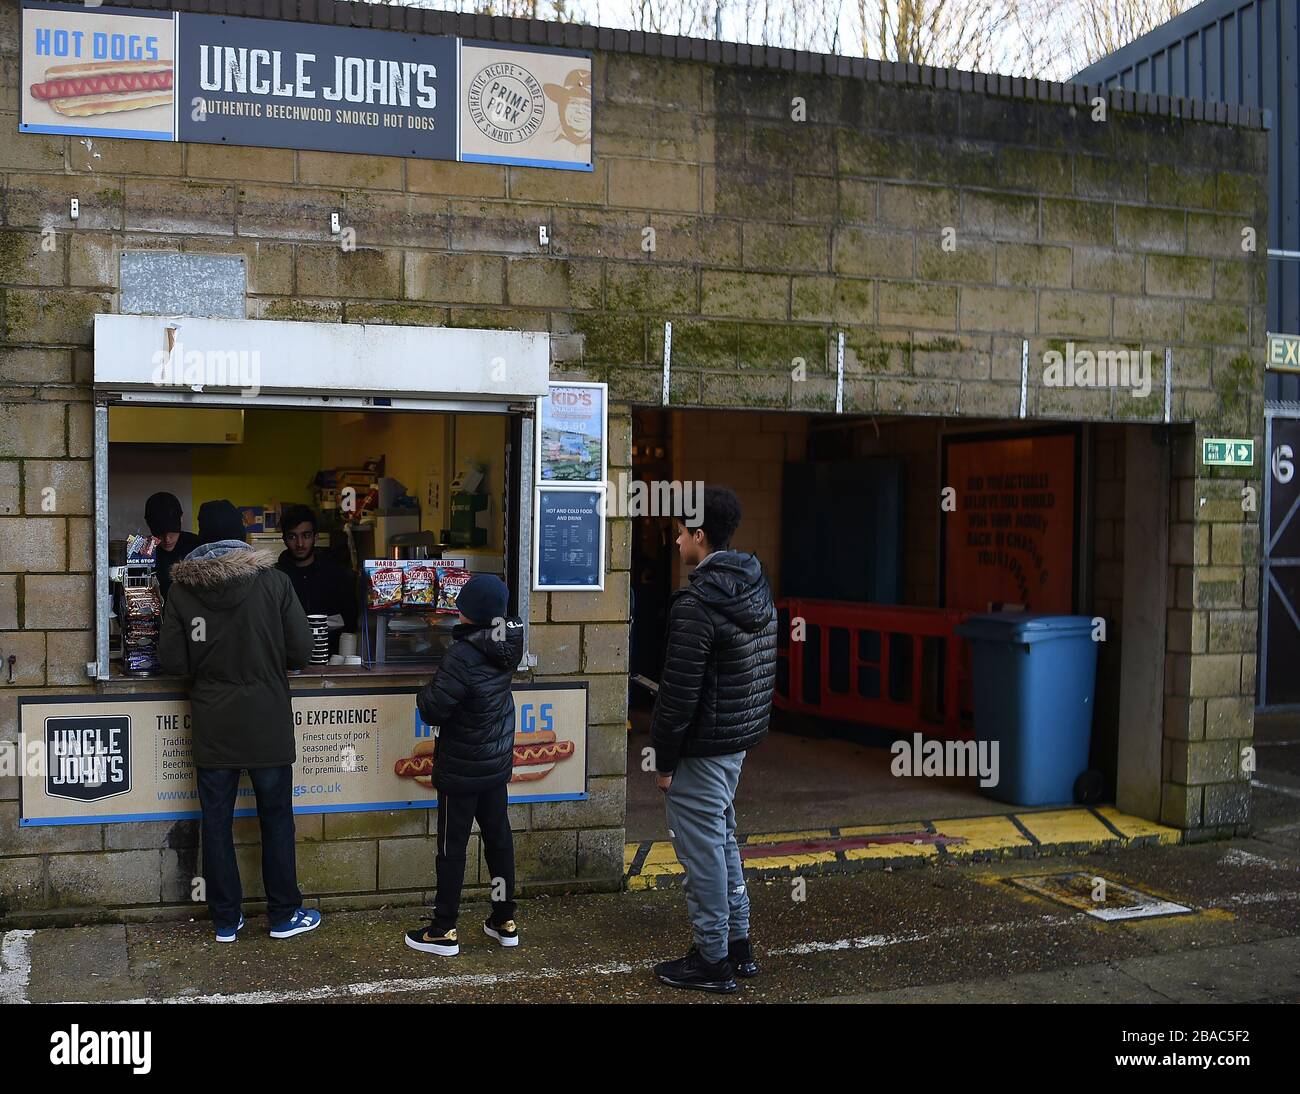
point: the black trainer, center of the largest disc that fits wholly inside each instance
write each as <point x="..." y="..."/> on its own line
<point x="431" y="940"/>
<point x="741" y="955"/>
<point x="693" y="971"/>
<point x="506" y="932"/>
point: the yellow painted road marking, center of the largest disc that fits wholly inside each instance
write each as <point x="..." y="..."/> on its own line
<point x="1136" y="827"/>
<point x="786" y="862"/>
<point x="1067" y="826"/>
<point x="661" y="851"/>
<point x="788" y="837"/>
<point x="995" y="833"/>
<point x="892" y="850"/>
<point x="883" y="829"/>
<point x="1053" y="828"/>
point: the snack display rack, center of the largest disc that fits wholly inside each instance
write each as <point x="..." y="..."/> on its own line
<point x="140" y="619"/>
<point x="409" y="609"/>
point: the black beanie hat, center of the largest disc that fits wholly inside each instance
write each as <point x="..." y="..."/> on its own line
<point x="484" y="598"/>
<point x="219" y="520"/>
<point x="162" y="512"/>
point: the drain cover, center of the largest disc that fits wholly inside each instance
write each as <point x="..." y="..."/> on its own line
<point x="1101" y="897"/>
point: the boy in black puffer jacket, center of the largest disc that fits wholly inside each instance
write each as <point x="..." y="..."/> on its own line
<point x="470" y="703"/>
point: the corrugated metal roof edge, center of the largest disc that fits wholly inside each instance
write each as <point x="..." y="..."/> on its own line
<point x="495" y="28"/>
<point x="1181" y="26"/>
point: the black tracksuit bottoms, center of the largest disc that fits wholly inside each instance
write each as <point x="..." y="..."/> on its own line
<point x="456" y="815"/>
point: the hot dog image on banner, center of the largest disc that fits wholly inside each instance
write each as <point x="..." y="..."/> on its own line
<point x="99" y="72"/>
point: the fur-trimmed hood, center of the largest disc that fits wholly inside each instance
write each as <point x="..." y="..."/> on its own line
<point x="217" y="563"/>
<point x="221" y="574"/>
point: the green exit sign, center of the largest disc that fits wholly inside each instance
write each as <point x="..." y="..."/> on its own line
<point x="1284" y="353"/>
<point x="1227" y="452"/>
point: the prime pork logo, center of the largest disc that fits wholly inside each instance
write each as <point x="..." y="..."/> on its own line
<point x="506" y="102"/>
<point x="88" y="758"/>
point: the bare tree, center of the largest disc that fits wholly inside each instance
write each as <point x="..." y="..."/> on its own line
<point x="1106" y="25"/>
<point x="1045" y="38"/>
<point x="984" y="35"/>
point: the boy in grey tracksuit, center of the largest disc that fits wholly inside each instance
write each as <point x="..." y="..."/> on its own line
<point x="715" y="699"/>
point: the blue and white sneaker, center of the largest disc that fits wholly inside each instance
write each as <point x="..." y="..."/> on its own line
<point x="302" y="921"/>
<point x="229" y="934"/>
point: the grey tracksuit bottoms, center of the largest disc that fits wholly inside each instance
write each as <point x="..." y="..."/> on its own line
<point x="702" y="825"/>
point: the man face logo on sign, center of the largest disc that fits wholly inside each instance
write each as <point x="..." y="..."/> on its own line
<point x="88" y="758"/>
<point x="573" y="100"/>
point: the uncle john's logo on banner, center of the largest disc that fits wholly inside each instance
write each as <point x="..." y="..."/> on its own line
<point x="88" y="758"/>
<point x="209" y="79"/>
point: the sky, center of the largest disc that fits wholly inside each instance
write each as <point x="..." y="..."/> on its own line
<point x="1043" y="38"/>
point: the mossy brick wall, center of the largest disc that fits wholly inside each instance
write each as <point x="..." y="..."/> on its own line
<point x="770" y="236"/>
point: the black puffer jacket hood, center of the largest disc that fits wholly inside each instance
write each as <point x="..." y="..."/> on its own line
<point x="233" y="625"/>
<point x="715" y="697"/>
<point x="471" y="703"/>
<point x="505" y="652"/>
<point x="733" y="585"/>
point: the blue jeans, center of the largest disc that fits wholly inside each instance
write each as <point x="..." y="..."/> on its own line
<point x="274" y="789"/>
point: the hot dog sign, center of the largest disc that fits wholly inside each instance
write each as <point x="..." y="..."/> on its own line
<point x="114" y="72"/>
<point x="210" y="79"/>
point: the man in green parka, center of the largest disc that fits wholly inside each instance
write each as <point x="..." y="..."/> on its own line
<point x="233" y="625"/>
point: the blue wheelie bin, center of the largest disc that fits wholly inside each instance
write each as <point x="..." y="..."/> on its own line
<point x="1032" y="681"/>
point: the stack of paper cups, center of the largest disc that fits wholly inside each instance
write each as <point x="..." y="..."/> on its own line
<point x="348" y="643"/>
<point x="320" y="639"/>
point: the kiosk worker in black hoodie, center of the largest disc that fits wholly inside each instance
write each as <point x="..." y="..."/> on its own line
<point x="715" y="699"/>
<point x="162" y="512"/>
<point x="323" y="586"/>
<point x="469" y="702"/>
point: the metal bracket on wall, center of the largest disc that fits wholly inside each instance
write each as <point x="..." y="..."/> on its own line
<point x="668" y="358"/>
<point x="839" y="374"/>
<point x="1169" y="380"/>
<point x="1024" y="374"/>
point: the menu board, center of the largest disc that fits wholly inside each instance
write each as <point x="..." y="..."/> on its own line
<point x="107" y="758"/>
<point x="569" y="540"/>
<point x="1011" y="539"/>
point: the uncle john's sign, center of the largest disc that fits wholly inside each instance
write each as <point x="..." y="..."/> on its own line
<point x="212" y="79"/>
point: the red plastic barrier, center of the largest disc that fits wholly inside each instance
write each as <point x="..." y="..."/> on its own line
<point x="862" y="689"/>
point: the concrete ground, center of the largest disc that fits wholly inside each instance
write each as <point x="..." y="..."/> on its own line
<point x="954" y="931"/>
<point x="948" y="933"/>
<point x="792" y="782"/>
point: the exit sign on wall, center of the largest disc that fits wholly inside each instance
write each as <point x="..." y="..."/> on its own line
<point x="1227" y="452"/>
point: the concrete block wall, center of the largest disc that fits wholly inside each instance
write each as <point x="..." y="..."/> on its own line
<point x="745" y="451"/>
<point x="1210" y="663"/>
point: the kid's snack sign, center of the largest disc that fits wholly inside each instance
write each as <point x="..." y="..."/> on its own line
<point x="99" y="759"/>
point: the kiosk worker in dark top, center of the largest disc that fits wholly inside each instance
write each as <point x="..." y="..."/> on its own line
<point x="162" y="512"/>
<point x="323" y="586"/>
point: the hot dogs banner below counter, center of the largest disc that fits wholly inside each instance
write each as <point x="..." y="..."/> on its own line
<point x="212" y="79"/>
<point x="100" y="759"/>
